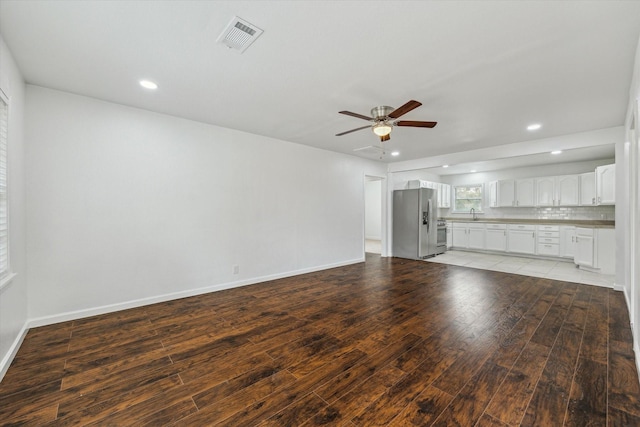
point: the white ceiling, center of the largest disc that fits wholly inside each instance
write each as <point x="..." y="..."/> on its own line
<point x="483" y="70"/>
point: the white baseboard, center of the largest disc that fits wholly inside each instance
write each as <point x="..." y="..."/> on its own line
<point x="79" y="314"/>
<point x="621" y="288"/>
<point x="13" y="350"/>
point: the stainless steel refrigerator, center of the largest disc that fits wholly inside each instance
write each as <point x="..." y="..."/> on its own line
<point x="415" y="229"/>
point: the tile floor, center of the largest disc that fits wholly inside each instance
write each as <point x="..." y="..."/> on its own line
<point x="551" y="269"/>
<point x="372" y="246"/>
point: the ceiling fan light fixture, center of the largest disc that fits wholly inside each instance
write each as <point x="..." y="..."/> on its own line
<point x="382" y="128"/>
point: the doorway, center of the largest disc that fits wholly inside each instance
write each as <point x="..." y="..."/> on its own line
<point x="373" y="214"/>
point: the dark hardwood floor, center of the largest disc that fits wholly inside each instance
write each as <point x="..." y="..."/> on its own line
<point x="386" y="342"/>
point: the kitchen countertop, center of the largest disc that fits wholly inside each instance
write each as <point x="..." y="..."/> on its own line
<point x="576" y="222"/>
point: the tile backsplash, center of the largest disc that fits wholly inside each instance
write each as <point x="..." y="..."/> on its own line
<point x="606" y="213"/>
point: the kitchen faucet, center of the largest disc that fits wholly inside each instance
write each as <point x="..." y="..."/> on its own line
<point x="473" y="214"/>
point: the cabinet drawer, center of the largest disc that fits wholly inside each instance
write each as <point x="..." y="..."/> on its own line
<point x="549" y="227"/>
<point x="496" y="226"/>
<point x="522" y="227"/>
<point x="548" y="233"/>
<point x="548" y="249"/>
<point x="546" y="240"/>
<point x="584" y="231"/>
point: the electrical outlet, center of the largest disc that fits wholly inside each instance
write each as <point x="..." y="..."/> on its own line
<point x="236" y="269"/>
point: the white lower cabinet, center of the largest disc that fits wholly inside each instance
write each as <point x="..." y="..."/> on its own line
<point x="567" y="241"/>
<point x="476" y="236"/>
<point x="596" y="249"/>
<point x="521" y="238"/>
<point x="460" y="239"/>
<point x="548" y="240"/>
<point x="584" y="254"/>
<point x="468" y="235"/>
<point x="495" y="237"/>
<point x="590" y="248"/>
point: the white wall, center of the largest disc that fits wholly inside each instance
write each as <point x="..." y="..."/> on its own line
<point x="13" y="297"/>
<point x="628" y="210"/>
<point x="373" y="210"/>
<point x="127" y="206"/>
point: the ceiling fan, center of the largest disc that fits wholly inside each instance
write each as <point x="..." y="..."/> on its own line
<point x="384" y="118"/>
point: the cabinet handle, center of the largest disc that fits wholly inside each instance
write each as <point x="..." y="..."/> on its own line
<point x="572" y="239"/>
<point x="533" y="234"/>
<point x="593" y="201"/>
<point x="599" y="200"/>
<point x="505" y="233"/>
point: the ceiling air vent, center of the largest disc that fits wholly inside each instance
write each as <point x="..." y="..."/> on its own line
<point x="370" y="150"/>
<point x="239" y="34"/>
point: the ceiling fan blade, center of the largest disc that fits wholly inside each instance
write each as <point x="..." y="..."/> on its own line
<point x="415" y="124"/>
<point x="352" y="130"/>
<point x="385" y="138"/>
<point x="356" y="115"/>
<point x="400" y="111"/>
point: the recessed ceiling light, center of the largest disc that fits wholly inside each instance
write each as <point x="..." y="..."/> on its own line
<point x="148" y="84"/>
<point x="534" y="126"/>
<point x="395" y="153"/>
<point x="445" y="166"/>
<point x="556" y="152"/>
<point x="474" y="171"/>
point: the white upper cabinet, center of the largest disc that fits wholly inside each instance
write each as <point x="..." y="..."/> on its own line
<point x="444" y="190"/>
<point x="446" y="201"/>
<point x="558" y="190"/>
<point x="525" y="192"/>
<point x="546" y="191"/>
<point x="606" y="185"/>
<point x="506" y="193"/>
<point x="518" y="192"/>
<point x="588" y="189"/>
<point x="493" y="194"/>
<point x="568" y="190"/>
<point x="444" y="195"/>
